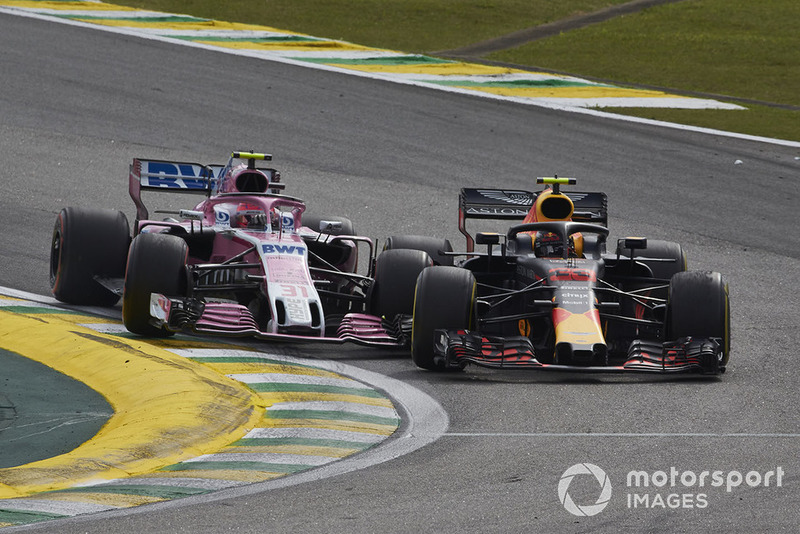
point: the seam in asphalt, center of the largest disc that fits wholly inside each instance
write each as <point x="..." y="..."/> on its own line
<point x="550" y="29"/>
<point x="475" y="51"/>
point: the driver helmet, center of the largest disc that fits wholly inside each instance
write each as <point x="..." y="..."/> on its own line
<point x="553" y="206"/>
<point x="250" y="216"/>
<point x="549" y="245"/>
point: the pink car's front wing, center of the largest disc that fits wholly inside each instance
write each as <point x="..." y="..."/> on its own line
<point x="231" y="319"/>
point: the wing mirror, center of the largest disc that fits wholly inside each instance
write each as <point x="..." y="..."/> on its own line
<point x="632" y="243"/>
<point x="191" y="215"/>
<point x="487" y="238"/>
<point x="330" y="227"/>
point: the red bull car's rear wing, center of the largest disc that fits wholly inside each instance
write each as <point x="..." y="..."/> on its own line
<point x="484" y="203"/>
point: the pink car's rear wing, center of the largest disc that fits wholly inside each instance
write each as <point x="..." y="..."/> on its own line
<point x="169" y="176"/>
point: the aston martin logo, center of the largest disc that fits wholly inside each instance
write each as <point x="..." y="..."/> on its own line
<point x="522" y="198"/>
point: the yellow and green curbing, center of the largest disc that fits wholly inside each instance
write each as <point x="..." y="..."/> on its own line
<point x="190" y="417"/>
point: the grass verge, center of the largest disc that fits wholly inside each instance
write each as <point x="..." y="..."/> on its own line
<point x="406" y="25"/>
<point x="726" y="47"/>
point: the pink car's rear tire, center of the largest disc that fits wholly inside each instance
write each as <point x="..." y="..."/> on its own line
<point x="88" y="244"/>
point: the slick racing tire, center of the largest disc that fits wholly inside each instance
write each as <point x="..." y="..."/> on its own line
<point x="88" y="244"/>
<point x="342" y="254"/>
<point x="445" y="299"/>
<point x="156" y="264"/>
<point x="311" y="220"/>
<point x="699" y="306"/>
<point x="664" y="250"/>
<point x="432" y="245"/>
<point x="664" y="258"/>
<point x="396" y="273"/>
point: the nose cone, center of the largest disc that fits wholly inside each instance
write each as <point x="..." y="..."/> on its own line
<point x="568" y="353"/>
<point x="579" y="338"/>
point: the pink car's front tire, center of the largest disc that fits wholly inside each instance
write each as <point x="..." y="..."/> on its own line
<point x="156" y="264"/>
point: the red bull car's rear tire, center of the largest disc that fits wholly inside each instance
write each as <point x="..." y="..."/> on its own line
<point x="432" y="245"/>
<point x="396" y="273"/>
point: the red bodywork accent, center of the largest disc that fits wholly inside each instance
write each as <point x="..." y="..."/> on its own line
<point x="572" y="274"/>
<point x="684" y="355"/>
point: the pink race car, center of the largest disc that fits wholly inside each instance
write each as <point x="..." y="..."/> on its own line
<point x="246" y="261"/>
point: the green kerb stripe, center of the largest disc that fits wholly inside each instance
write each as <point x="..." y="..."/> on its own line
<point x="161" y="492"/>
<point x="20" y="517"/>
<point x="315" y="388"/>
<point x="29" y="310"/>
<point x="306" y="442"/>
<point x="130" y="335"/>
<point x="331" y="415"/>
<point x="391" y="60"/>
<point x="238" y="466"/>
<point x="276" y="39"/>
<point x="251" y="359"/>
<point x="168" y="18"/>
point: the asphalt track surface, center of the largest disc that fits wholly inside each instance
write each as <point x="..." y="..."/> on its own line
<point x="76" y="105"/>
